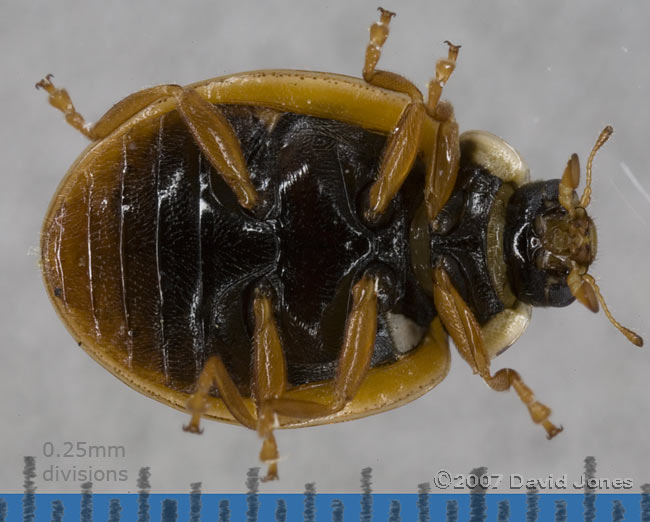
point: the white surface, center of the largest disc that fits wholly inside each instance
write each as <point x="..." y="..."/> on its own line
<point x="547" y="77"/>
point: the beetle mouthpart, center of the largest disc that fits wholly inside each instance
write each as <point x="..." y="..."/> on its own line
<point x="584" y="289"/>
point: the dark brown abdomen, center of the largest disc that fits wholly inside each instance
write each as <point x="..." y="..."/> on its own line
<point x="149" y="255"/>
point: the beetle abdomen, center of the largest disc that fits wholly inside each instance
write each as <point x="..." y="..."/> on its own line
<point x="142" y="248"/>
<point x="153" y="259"/>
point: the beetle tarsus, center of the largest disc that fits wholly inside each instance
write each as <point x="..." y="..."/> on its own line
<point x="551" y="429"/>
<point x="271" y="473"/>
<point x="444" y="68"/>
<point x="270" y="456"/>
<point x="193" y="427"/>
<point x="60" y="99"/>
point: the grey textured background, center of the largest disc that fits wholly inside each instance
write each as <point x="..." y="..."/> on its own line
<point x="547" y="76"/>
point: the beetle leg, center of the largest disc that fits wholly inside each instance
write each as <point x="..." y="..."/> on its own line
<point x="218" y="141"/>
<point x="385" y="79"/>
<point x="442" y="167"/>
<point x="214" y="373"/>
<point x="466" y="333"/>
<point x="402" y="144"/>
<point x="444" y="68"/>
<point x="270" y="370"/>
<point x="114" y="117"/>
<point x="209" y="127"/>
<point x="397" y="159"/>
<point x="60" y="99"/>
<point x="354" y="359"/>
<point x="271" y="373"/>
<point x="442" y="162"/>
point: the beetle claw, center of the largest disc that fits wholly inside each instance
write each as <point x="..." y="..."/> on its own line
<point x="45" y="83"/>
<point x="552" y="430"/>
<point x="193" y="427"/>
<point x="190" y="428"/>
<point x="386" y="12"/>
<point x="271" y="474"/>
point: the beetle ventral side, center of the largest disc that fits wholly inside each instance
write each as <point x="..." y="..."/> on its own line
<point x="291" y="248"/>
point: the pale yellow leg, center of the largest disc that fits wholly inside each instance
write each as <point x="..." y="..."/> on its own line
<point x="209" y="127"/>
<point x="466" y="333"/>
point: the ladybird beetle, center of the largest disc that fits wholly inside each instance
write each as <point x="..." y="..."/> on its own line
<point x="284" y="248"/>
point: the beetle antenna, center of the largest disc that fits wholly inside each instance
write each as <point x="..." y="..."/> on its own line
<point x="631" y="336"/>
<point x="604" y="136"/>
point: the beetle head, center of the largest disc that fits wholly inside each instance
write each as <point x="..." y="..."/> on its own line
<point x="551" y="241"/>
